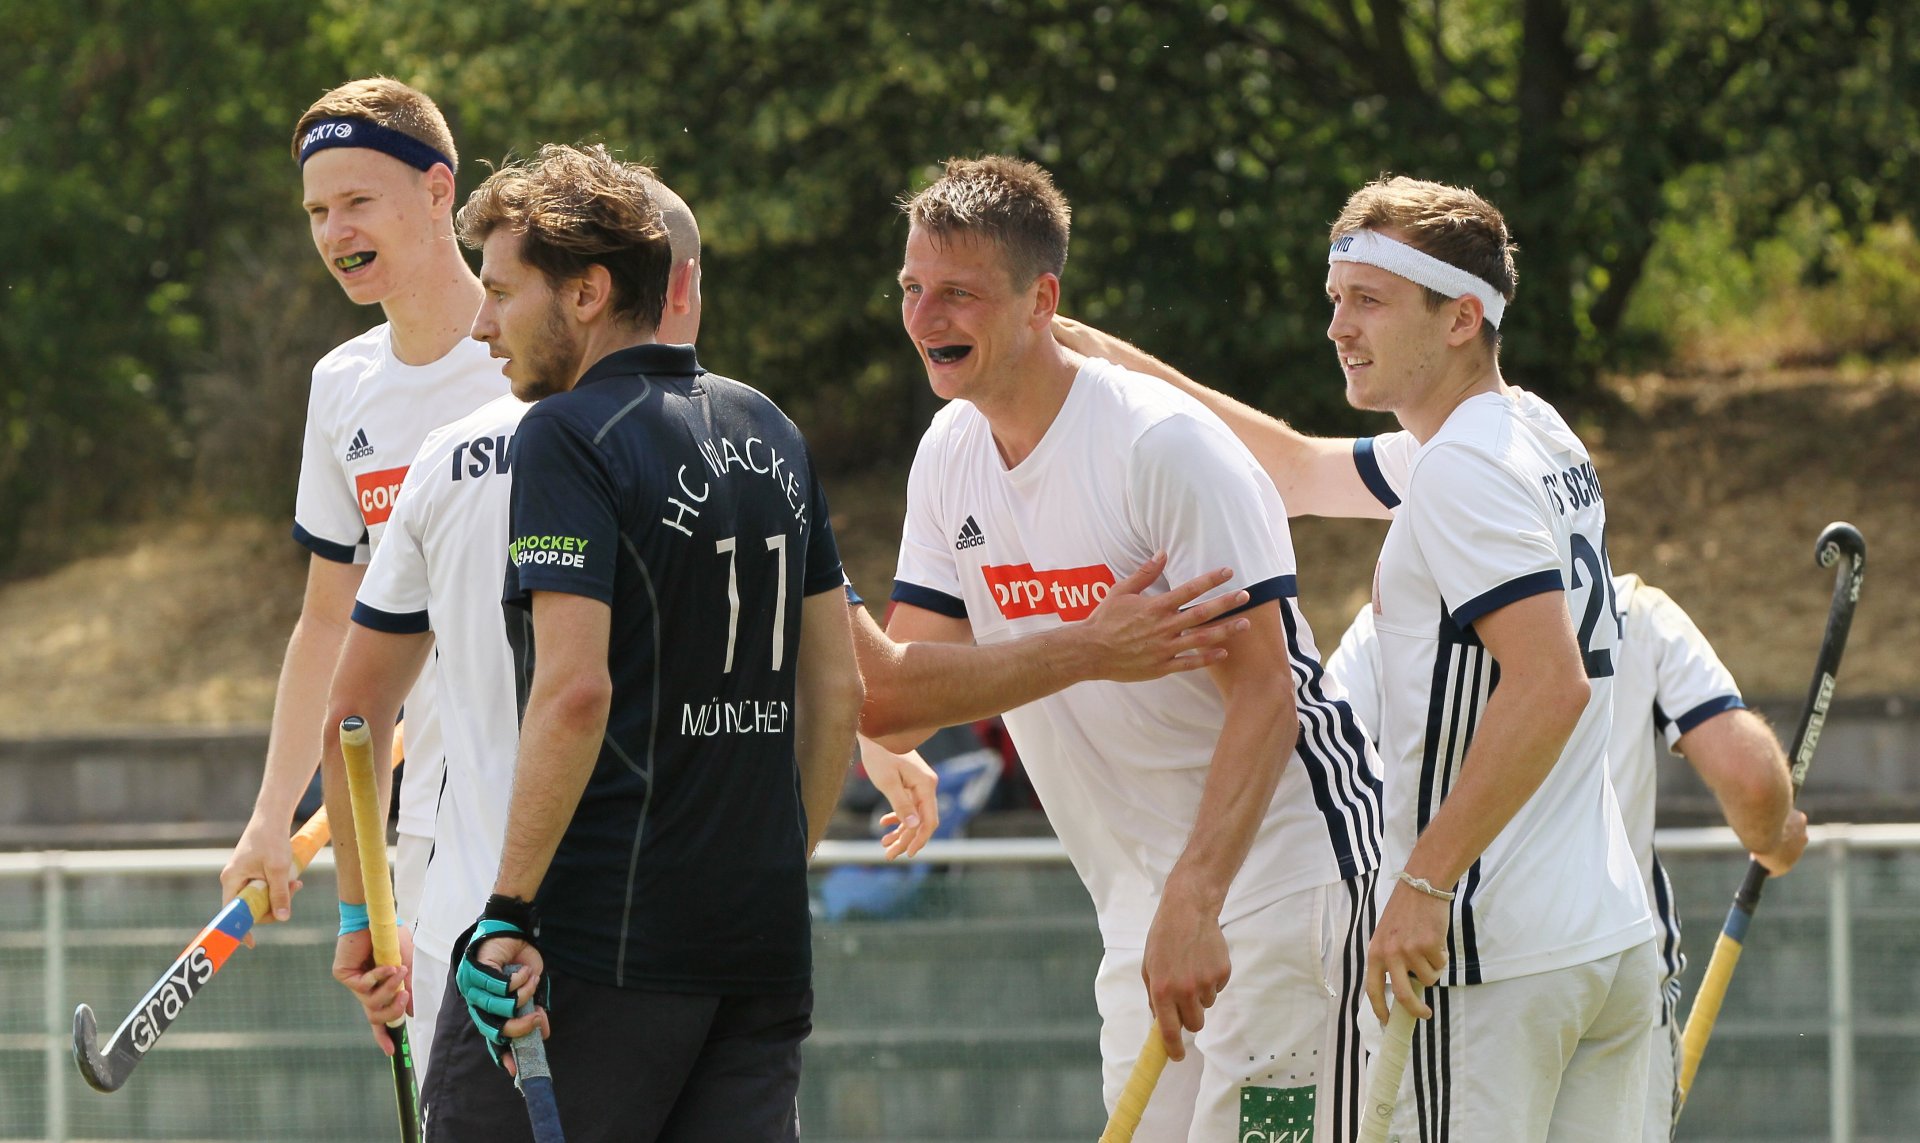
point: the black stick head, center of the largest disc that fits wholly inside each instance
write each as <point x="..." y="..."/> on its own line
<point x="1836" y="540"/>
<point x="94" y="1067"/>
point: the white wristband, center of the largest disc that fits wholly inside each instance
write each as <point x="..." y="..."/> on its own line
<point x="1422" y="885"/>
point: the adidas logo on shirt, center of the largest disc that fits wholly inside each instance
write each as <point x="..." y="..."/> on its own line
<point x="359" y="448"/>
<point x="970" y="536"/>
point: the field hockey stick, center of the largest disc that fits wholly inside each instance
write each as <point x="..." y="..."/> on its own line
<point x="534" y="1079"/>
<point x="106" y="1070"/>
<point x="1383" y="1083"/>
<point x="1132" y="1103"/>
<point x="370" y="841"/>
<point x="1839" y="544"/>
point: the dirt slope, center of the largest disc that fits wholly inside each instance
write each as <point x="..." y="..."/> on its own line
<point x="1716" y="488"/>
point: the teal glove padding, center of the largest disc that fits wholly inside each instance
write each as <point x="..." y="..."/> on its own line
<point x="486" y="990"/>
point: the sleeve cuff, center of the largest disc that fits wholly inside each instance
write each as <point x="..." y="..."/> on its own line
<point x="325" y="549"/>
<point x="1370" y="474"/>
<point x="938" y="602"/>
<point x="1512" y="591"/>
<point x="1707" y="710"/>
<point x="1266" y="591"/>
<point x="391" y="622"/>
<point x="853" y="597"/>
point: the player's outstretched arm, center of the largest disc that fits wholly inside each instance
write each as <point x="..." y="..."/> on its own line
<point x="1527" y="721"/>
<point x="1740" y="760"/>
<point x="1185" y="965"/>
<point x="1316" y="476"/>
<point x="924" y="672"/>
<point x="827" y="696"/>
<point x="293" y="744"/>
<point x="376" y="671"/>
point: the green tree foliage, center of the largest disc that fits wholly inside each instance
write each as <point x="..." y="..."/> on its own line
<point x="1205" y="143"/>
<point x="132" y="137"/>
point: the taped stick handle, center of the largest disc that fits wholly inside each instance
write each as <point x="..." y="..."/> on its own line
<point x="1383" y="1085"/>
<point x="535" y="1079"/>
<point x="1132" y="1103"/>
<point x="1706" y="1005"/>
<point x="370" y="838"/>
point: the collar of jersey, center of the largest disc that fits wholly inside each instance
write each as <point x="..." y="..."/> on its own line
<point x="652" y="358"/>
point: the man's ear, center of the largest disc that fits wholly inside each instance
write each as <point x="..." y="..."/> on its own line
<point x="1468" y="313"/>
<point x="680" y="286"/>
<point x="592" y="293"/>
<point x="440" y="188"/>
<point x="1046" y="300"/>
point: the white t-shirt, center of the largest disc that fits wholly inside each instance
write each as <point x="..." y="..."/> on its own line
<point x="441" y="568"/>
<point x="1130" y="467"/>
<point x="367" y="413"/>
<point x="1666" y="682"/>
<point x="1500" y="505"/>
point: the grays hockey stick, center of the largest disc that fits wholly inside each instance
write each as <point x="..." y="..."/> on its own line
<point x="105" y="1070"/>
<point x="1840" y="544"/>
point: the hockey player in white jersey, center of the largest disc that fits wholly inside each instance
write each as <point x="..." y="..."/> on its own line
<point x="377" y="169"/>
<point x="1512" y="887"/>
<point x="1669" y="686"/>
<point x="1225" y="826"/>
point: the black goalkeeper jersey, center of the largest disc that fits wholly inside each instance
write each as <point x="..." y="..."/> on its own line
<point x="687" y="502"/>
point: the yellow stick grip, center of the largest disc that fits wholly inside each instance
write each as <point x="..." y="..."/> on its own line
<point x="1706" y="1010"/>
<point x="1383" y="1085"/>
<point x="1132" y="1103"/>
<point x="370" y="838"/>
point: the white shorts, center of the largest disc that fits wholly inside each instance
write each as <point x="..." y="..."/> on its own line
<point x="1663" y="1068"/>
<point x="410" y="875"/>
<point x="429" y="988"/>
<point x="1280" y="1056"/>
<point x="1557" y="1056"/>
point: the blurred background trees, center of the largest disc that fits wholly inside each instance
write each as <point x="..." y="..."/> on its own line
<point x="1701" y="184"/>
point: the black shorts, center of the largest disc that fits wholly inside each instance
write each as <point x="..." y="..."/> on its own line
<point x="630" y="1067"/>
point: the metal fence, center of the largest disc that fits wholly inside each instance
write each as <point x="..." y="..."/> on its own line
<point x="965" y="1015"/>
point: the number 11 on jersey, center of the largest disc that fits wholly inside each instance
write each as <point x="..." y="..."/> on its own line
<point x="777" y="544"/>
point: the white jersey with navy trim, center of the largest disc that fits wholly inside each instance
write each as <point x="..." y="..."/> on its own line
<point x="1500" y="505"/>
<point x="1669" y="682"/>
<point x="367" y="413"/>
<point x="1128" y="468"/>
<point x="440" y="569"/>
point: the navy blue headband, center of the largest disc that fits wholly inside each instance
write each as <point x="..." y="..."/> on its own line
<point x="356" y="132"/>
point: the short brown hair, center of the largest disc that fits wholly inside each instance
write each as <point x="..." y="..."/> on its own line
<point x="1452" y="224"/>
<point x="1009" y="200"/>
<point x="577" y="207"/>
<point x="389" y="103"/>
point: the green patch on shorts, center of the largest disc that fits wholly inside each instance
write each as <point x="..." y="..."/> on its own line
<point x="1276" y="1114"/>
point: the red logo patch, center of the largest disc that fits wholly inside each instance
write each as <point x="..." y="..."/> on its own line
<point x="377" y="491"/>
<point x="1070" y="593"/>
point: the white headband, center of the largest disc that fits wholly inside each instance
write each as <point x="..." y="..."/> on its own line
<point x="1422" y="269"/>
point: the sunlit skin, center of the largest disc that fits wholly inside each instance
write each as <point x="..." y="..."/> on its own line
<point x="369" y="207"/>
<point x="1401" y="357"/>
<point x="983" y="338"/>
<point x="522" y="321"/>
<point x="549" y="334"/>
